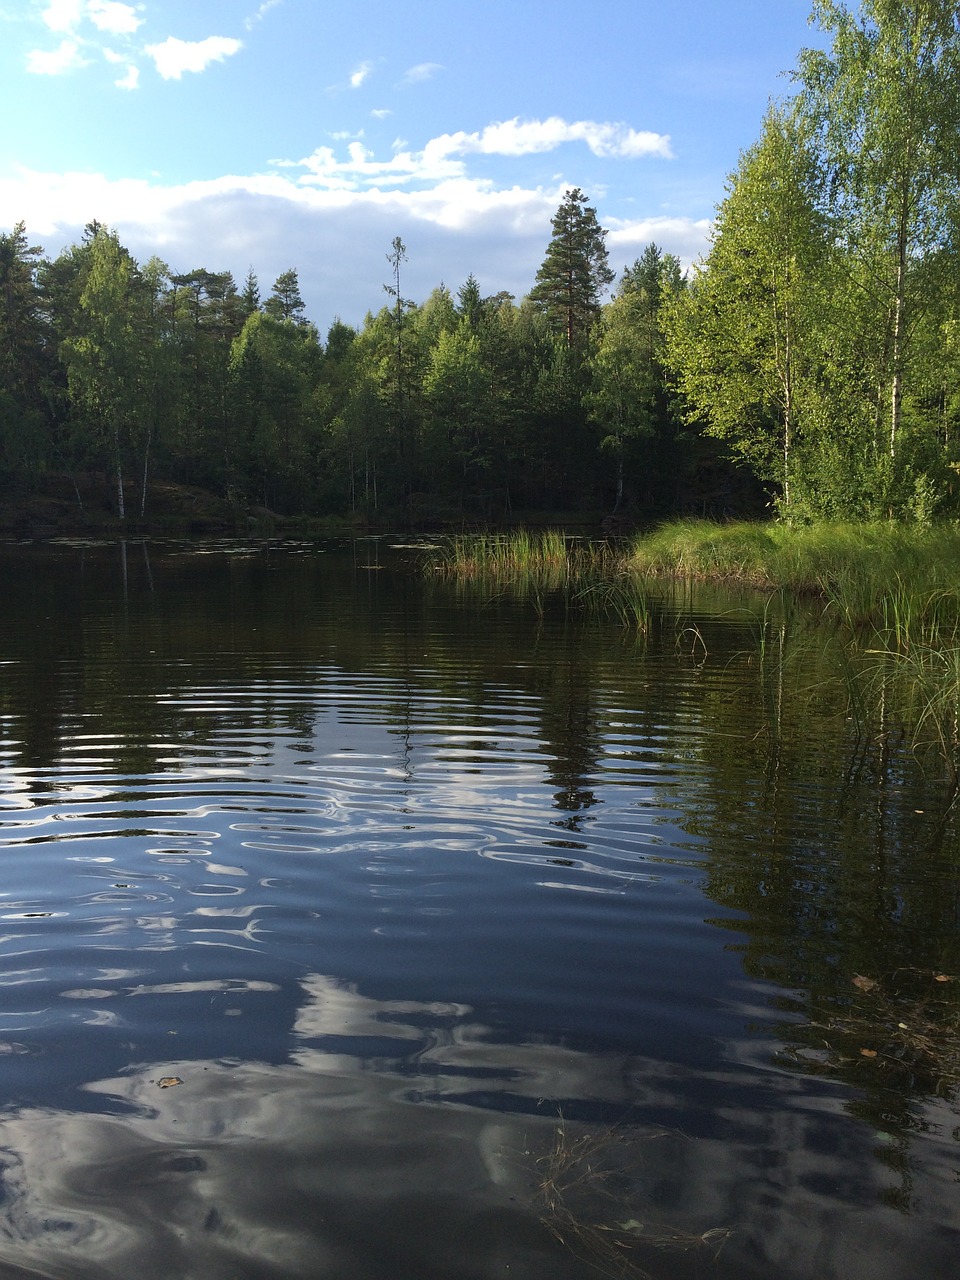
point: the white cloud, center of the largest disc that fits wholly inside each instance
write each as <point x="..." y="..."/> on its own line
<point x="688" y="238"/>
<point x="113" y="17"/>
<point x="362" y="73"/>
<point x="525" y="137"/>
<point x="360" y="169"/>
<point x="440" y="159"/>
<point x="422" y="71"/>
<point x="55" y="62"/>
<point x="250" y="23"/>
<point x="336" y="235"/>
<point x="381" y="113"/>
<point x="173" y="57"/>
<point x="130" y="80"/>
<point x="106" y="15"/>
<point x="63" y="15"/>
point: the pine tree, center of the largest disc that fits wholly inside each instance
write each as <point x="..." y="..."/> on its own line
<point x="575" y="271"/>
<point x="285" y="302"/>
<point x="250" y="296"/>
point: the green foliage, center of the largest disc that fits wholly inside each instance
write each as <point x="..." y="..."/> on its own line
<point x="815" y="350"/>
<point x="107" y="356"/>
<point x="743" y="341"/>
<point x="626" y="398"/>
<point x="575" y="271"/>
<point x="886" y="113"/>
<point x="24" y="359"/>
<point x="817" y="337"/>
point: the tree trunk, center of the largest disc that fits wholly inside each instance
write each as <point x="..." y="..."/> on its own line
<point x="899" y="309"/>
<point x="121" y="507"/>
<point x="143" y="486"/>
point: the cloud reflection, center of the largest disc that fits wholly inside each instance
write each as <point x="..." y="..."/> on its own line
<point x="342" y="1162"/>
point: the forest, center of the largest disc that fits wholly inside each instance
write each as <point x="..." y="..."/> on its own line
<point x="808" y="367"/>
<point x="457" y="406"/>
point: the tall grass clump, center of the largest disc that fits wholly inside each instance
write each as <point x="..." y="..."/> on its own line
<point x="705" y="550"/>
<point x="627" y="598"/>
<point x="531" y="566"/>
<point x="512" y="555"/>
<point x="527" y="565"/>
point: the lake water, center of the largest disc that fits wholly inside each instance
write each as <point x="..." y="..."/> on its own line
<point x="355" y="927"/>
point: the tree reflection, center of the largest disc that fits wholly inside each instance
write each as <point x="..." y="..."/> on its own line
<point x="827" y="843"/>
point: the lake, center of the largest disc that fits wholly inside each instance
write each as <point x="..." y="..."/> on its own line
<point x="357" y="926"/>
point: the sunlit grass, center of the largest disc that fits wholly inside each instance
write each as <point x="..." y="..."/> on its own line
<point x="859" y="569"/>
<point x="888" y="597"/>
<point x="533" y="566"/>
<point x="513" y="555"/>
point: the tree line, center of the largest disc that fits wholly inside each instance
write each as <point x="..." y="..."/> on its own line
<point x="462" y="405"/>
<point x="816" y="345"/>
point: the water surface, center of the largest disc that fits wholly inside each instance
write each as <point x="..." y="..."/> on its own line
<point x="355" y="928"/>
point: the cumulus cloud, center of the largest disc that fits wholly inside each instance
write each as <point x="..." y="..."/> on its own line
<point x="440" y="160"/>
<point x="336" y="236"/>
<point x="687" y="238"/>
<point x="361" y="169"/>
<point x="106" y="15"/>
<point x="54" y="62"/>
<point x="173" y="57"/>
<point x="83" y="23"/>
<point x="362" y="73"/>
<point x="115" y="18"/>
<point x="63" y="15"/>
<point x="525" y="137"/>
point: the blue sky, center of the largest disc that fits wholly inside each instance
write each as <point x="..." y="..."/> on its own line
<point x="301" y="133"/>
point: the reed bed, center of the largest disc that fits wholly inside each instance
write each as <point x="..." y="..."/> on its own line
<point x="860" y="570"/>
<point x="888" y="595"/>
<point x="535" y="566"/>
<point x="548" y="555"/>
<point x="892" y="591"/>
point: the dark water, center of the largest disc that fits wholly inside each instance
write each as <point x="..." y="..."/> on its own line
<point x="355" y="930"/>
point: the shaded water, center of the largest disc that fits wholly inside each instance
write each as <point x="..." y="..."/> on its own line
<point x="353" y="929"/>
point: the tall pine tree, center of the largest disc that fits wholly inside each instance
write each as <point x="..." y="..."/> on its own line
<point x="575" y="271"/>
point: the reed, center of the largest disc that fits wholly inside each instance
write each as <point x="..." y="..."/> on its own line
<point x="702" y="549"/>
<point x="511" y="555"/>
<point x="628" y="598"/>
<point x="853" y="567"/>
<point x="531" y="566"/>
<point x="888" y="595"/>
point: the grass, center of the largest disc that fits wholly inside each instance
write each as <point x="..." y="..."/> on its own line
<point x="888" y="594"/>
<point x="861" y="571"/>
<point x="535" y="565"/>
<point x="516" y="555"/>
<point x="587" y="1204"/>
<point x="865" y="573"/>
